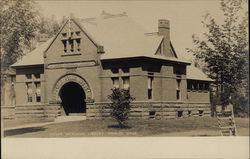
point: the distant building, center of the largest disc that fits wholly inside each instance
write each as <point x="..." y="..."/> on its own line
<point x="73" y="73"/>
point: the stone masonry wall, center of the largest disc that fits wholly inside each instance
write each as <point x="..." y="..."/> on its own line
<point x="156" y="110"/>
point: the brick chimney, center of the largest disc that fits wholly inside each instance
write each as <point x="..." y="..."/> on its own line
<point x="164" y="30"/>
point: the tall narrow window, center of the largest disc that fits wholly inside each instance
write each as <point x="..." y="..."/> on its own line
<point x="150" y="87"/>
<point x="71" y="43"/>
<point x="78" y="41"/>
<point x="206" y="86"/>
<point x="38" y="91"/>
<point x="125" y="83"/>
<point x="64" y="45"/>
<point x="29" y="92"/>
<point x="178" y="90"/>
<point x="28" y="76"/>
<point x="195" y="86"/>
<point x="125" y="70"/>
<point x="115" y="70"/>
<point x="37" y="76"/>
<point x="189" y="85"/>
<point x="201" y="86"/>
<point x="115" y="82"/>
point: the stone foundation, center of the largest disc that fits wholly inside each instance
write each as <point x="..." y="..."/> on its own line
<point x="145" y="110"/>
<point x="155" y="110"/>
<point x="7" y="112"/>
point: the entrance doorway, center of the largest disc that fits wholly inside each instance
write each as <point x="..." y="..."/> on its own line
<point x="73" y="99"/>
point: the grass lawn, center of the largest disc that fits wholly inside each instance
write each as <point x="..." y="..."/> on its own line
<point x="204" y="126"/>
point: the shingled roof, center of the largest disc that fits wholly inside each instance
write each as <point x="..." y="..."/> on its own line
<point x="34" y="57"/>
<point x="195" y="73"/>
<point x="121" y="38"/>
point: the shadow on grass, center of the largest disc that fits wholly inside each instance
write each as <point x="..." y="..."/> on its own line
<point x="22" y="131"/>
<point x="118" y="127"/>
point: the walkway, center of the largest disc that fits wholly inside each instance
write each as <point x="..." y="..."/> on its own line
<point x="60" y="119"/>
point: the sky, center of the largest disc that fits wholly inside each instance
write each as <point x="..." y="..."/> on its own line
<point x="185" y="15"/>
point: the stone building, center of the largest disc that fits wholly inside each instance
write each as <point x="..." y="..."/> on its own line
<point x="72" y="73"/>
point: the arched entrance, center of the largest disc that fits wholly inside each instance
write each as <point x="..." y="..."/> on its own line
<point x="72" y="99"/>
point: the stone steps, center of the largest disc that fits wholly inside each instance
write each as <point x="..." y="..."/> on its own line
<point x="36" y="112"/>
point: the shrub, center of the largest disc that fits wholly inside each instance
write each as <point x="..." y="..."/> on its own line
<point x="120" y="105"/>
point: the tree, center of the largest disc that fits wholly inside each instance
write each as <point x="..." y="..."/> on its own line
<point x="120" y="105"/>
<point x="223" y="53"/>
<point x="49" y="26"/>
<point x="18" y="26"/>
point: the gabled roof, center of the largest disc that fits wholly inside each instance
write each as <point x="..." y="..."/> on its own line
<point x="34" y="57"/>
<point x="119" y="34"/>
<point x="194" y="73"/>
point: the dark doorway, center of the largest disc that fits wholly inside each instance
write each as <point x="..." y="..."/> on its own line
<point x="73" y="98"/>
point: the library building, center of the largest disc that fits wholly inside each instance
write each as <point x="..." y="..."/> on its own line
<point x="72" y="73"/>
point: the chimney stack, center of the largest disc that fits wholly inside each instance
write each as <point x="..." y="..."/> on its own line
<point x="164" y="30"/>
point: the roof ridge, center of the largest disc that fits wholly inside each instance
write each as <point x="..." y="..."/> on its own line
<point x="107" y="15"/>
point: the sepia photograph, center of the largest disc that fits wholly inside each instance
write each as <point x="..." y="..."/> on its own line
<point x="137" y="73"/>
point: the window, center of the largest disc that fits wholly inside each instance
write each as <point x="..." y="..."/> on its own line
<point x="125" y="83"/>
<point x="28" y="76"/>
<point x="115" y="82"/>
<point x="64" y="35"/>
<point x="71" y="43"/>
<point x="78" y="41"/>
<point x="38" y="91"/>
<point x="115" y="70"/>
<point x="151" y="114"/>
<point x="206" y="86"/>
<point x="189" y="85"/>
<point x="178" y="90"/>
<point x="201" y="86"/>
<point x="179" y="113"/>
<point x="78" y="33"/>
<point x="201" y="112"/>
<point x="37" y="76"/>
<point x="33" y="87"/>
<point x="195" y="86"/>
<point x="64" y="45"/>
<point x="150" y="87"/>
<point x="29" y="92"/>
<point x="125" y="70"/>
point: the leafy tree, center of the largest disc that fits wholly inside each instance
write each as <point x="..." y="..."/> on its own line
<point x="49" y="26"/>
<point x="120" y="105"/>
<point x="18" y="26"/>
<point x="223" y="52"/>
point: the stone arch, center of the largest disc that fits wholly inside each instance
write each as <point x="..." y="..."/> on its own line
<point x="72" y="78"/>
